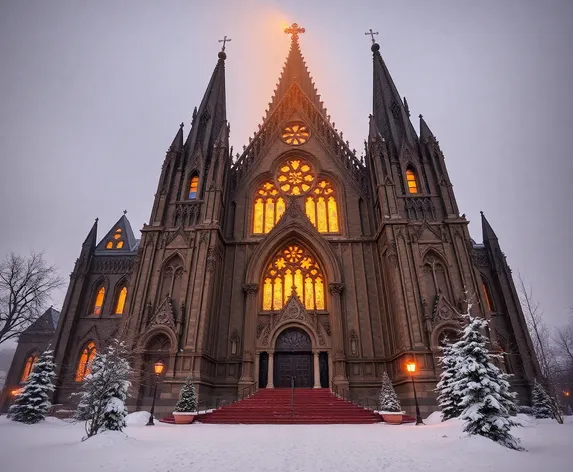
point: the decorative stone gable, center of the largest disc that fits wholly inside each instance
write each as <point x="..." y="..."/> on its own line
<point x="165" y="315"/>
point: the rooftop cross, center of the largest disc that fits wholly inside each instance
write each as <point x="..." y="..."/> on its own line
<point x="294" y="30"/>
<point x="125" y="212"/>
<point x="371" y="33"/>
<point x="224" y="41"/>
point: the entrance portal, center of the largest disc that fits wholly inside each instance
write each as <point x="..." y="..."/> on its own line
<point x="293" y="359"/>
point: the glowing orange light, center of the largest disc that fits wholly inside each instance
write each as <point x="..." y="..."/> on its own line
<point x="567" y="393"/>
<point x="411" y="366"/>
<point x="158" y="367"/>
<point x="17" y="391"/>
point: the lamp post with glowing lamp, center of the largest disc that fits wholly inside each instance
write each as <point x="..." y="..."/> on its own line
<point x="158" y="370"/>
<point x="411" y="366"/>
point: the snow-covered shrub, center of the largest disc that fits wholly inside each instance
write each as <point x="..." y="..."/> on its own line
<point x="525" y="410"/>
<point x="448" y="397"/>
<point x="483" y="387"/>
<point x="104" y="392"/>
<point x="542" y="407"/>
<point x="33" y="404"/>
<point x="388" y="399"/>
<point x="187" y="402"/>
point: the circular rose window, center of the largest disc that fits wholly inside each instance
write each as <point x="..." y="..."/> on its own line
<point x="295" y="134"/>
<point x="295" y="176"/>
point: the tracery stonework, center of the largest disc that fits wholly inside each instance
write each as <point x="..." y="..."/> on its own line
<point x="240" y="248"/>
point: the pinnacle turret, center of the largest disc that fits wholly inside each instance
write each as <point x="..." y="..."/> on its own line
<point x="487" y="230"/>
<point x="425" y="131"/>
<point x="91" y="238"/>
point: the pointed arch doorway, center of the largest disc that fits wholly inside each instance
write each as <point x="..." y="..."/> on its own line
<point x="293" y="358"/>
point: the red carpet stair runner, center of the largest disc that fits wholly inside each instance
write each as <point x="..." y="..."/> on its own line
<point x="273" y="406"/>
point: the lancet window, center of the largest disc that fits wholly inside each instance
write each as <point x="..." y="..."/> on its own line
<point x="84" y="364"/>
<point x="98" y="304"/>
<point x="269" y="207"/>
<point x="293" y="270"/>
<point x="28" y="367"/>
<point x="321" y="207"/>
<point x="120" y="302"/>
<point x="411" y="181"/>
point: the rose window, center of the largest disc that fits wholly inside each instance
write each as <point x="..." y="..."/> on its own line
<point x="295" y="176"/>
<point x="295" y="134"/>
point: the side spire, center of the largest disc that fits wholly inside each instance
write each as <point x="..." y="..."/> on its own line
<point x="389" y="111"/>
<point x="295" y="71"/>
<point x="212" y="113"/>
<point x="425" y="131"/>
<point x="487" y="230"/>
<point x="177" y="144"/>
<point x="91" y="238"/>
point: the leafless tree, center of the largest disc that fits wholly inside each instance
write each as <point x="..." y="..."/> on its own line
<point x="541" y="339"/>
<point x="25" y="287"/>
<point x="564" y="341"/>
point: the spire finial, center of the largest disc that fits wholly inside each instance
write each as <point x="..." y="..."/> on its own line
<point x="222" y="54"/>
<point x="124" y="212"/>
<point x="371" y="33"/>
<point x="294" y="30"/>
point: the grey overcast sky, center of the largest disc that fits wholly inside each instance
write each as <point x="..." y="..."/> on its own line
<point x="92" y="93"/>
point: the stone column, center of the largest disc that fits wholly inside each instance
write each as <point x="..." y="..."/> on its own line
<point x="247" y="374"/>
<point x="316" y="370"/>
<point x="270" y="383"/>
<point x="339" y="358"/>
<point x="257" y="364"/>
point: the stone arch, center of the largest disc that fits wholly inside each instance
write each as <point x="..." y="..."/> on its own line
<point x="158" y="344"/>
<point x="101" y="281"/>
<point x="440" y="329"/>
<point x="317" y="246"/>
<point x="156" y="332"/>
<point x="281" y="339"/>
<point x="282" y="327"/>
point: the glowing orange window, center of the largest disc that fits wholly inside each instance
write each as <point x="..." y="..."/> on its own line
<point x="28" y="367"/>
<point x="120" y="305"/>
<point x="411" y="181"/>
<point x="84" y="365"/>
<point x="99" y="301"/>
<point x="193" y="186"/>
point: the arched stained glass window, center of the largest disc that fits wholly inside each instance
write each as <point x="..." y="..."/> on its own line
<point x="84" y="364"/>
<point x="98" y="304"/>
<point x="321" y="207"/>
<point x="193" y="186"/>
<point x="411" y="181"/>
<point x="120" y="304"/>
<point x="295" y="176"/>
<point x="28" y="367"/>
<point x="268" y="208"/>
<point x="293" y="270"/>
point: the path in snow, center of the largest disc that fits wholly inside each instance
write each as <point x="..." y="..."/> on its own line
<point x="56" y="446"/>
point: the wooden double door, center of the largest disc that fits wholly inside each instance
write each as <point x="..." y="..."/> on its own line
<point x="293" y="364"/>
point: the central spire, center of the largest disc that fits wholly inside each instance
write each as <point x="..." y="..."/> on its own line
<point x="295" y="72"/>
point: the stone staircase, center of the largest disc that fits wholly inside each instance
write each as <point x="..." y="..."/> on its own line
<point x="273" y="406"/>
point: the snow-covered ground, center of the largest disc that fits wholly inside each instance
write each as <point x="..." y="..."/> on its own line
<point x="56" y="446"/>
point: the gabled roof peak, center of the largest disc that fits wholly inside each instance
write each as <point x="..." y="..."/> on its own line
<point x="119" y="239"/>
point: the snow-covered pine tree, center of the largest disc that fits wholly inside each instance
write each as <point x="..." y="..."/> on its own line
<point x="542" y="407"/>
<point x="482" y="387"/>
<point x="388" y="399"/>
<point x="448" y="397"/>
<point x="33" y="404"/>
<point x="187" y="402"/>
<point x="104" y="391"/>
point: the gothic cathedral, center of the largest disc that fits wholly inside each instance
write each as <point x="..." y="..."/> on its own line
<point x="293" y="260"/>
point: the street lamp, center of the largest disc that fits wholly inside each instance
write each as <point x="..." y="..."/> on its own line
<point x="411" y="366"/>
<point x="158" y="369"/>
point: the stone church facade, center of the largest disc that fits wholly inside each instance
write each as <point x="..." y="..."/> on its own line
<point x="294" y="258"/>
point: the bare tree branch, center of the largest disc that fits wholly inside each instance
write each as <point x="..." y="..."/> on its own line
<point x="25" y="287"/>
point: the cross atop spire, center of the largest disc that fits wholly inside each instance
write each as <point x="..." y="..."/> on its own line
<point x="224" y="41"/>
<point x="294" y="30"/>
<point x="371" y="33"/>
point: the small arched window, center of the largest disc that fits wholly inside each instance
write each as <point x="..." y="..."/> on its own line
<point x="486" y="295"/>
<point x="117" y="238"/>
<point x="84" y="364"/>
<point x="98" y="304"/>
<point x="28" y="367"/>
<point x="411" y="181"/>
<point x="120" y="303"/>
<point x="193" y="186"/>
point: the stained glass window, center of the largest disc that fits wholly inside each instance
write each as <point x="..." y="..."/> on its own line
<point x="28" y="367"/>
<point x="487" y="297"/>
<point x="99" y="301"/>
<point x="193" y="186"/>
<point x="109" y="245"/>
<point x="293" y="270"/>
<point x="120" y="304"/>
<point x="268" y="208"/>
<point x="411" y="181"/>
<point x="295" y="134"/>
<point x="321" y="207"/>
<point x="84" y="365"/>
<point x="295" y="176"/>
